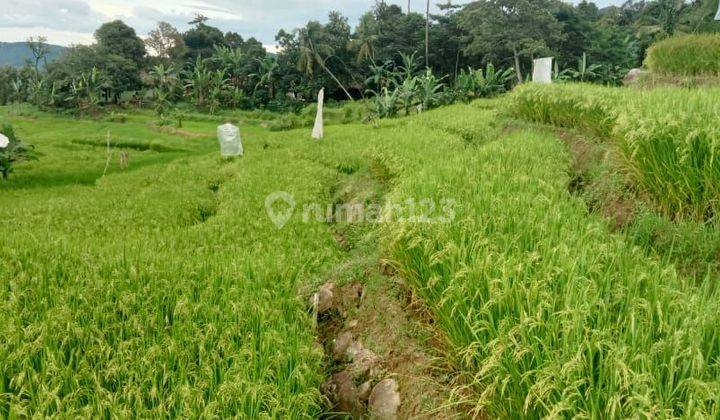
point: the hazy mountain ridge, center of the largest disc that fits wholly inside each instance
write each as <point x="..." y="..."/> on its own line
<point x="15" y="54"/>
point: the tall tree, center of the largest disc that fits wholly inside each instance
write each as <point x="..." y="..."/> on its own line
<point x="518" y="28"/>
<point x="119" y="39"/>
<point x="120" y="55"/>
<point x="202" y="38"/>
<point x="40" y="50"/>
<point x="166" y="42"/>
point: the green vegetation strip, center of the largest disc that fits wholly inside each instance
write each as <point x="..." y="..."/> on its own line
<point x="687" y="55"/>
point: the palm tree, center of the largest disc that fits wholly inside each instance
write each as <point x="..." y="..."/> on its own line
<point x="365" y="45"/>
<point x="311" y="53"/>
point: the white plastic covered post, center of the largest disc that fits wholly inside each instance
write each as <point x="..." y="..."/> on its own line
<point x="542" y="70"/>
<point x="317" y="132"/>
<point x="230" y="140"/>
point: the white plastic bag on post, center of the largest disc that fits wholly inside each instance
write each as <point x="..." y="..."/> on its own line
<point x="317" y="132"/>
<point x="230" y="140"/>
<point x="542" y="70"/>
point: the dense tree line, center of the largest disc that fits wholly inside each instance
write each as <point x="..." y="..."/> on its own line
<point x="383" y="56"/>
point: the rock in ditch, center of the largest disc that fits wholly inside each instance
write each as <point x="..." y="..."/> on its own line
<point x="351" y="295"/>
<point x="364" y="363"/>
<point x="341" y="345"/>
<point x="353" y="349"/>
<point x="364" y="390"/>
<point x="323" y="300"/>
<point x="384" y="400"/>
<point x="346" y="394"/>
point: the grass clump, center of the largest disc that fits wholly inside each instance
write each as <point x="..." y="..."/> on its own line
<point x="671" y="145"/>
<point x="579" y="106"/>
<point x="686" y="55"/>
<point x="668" y="139"/>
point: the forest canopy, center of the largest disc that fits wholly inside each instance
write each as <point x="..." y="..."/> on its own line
<point x="210" y="69"/>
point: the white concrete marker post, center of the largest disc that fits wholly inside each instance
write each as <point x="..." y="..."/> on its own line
<point x="542" y="70"/>
<point x="317" y="132"/>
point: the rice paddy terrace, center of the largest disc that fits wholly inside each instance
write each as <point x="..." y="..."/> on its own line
<point x="529" y="257"/>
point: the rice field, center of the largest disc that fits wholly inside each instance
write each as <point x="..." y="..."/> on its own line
<point x="164" y="290"/>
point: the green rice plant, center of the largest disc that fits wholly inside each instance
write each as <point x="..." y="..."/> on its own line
<point x="671" y="145"/>
<point x="686" y="55"/>
<point x="666" y="137"/>
<point x="547" y="313"/>
<point x="147" y="292"/>
<point x="579" y="106"/>
<point x="544" y="311"/>
<point x="165" y="291"/>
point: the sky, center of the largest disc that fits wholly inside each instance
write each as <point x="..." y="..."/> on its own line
<point x="66" y="22"/>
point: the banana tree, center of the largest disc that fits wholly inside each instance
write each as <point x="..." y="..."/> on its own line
<point x="267" y="67"/>
<point x="199" y="82"/>
<point x="407" y="91"/>
<point x="164" y="80"/>
<point x="410" y="65"/>
<point x="584" y="71"/>
<point x="86" y="91"/>
<point x="385" y="103"/>
<point x="492" y="82"/>
<point x="39" y="92"/>
<point x="380" y="75"/>
<point x="429" y="88"/>
<point x="231" y="60"/>
<point x="218" y="85"/>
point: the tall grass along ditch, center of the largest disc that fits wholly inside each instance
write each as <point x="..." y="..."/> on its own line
<point x="667" y="138"/>
<point x="548" y="313"/>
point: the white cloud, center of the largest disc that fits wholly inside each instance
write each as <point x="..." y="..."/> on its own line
<point x="54" y="36"/>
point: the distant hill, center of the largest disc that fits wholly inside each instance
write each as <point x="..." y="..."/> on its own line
<point x="15" y="53"/>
